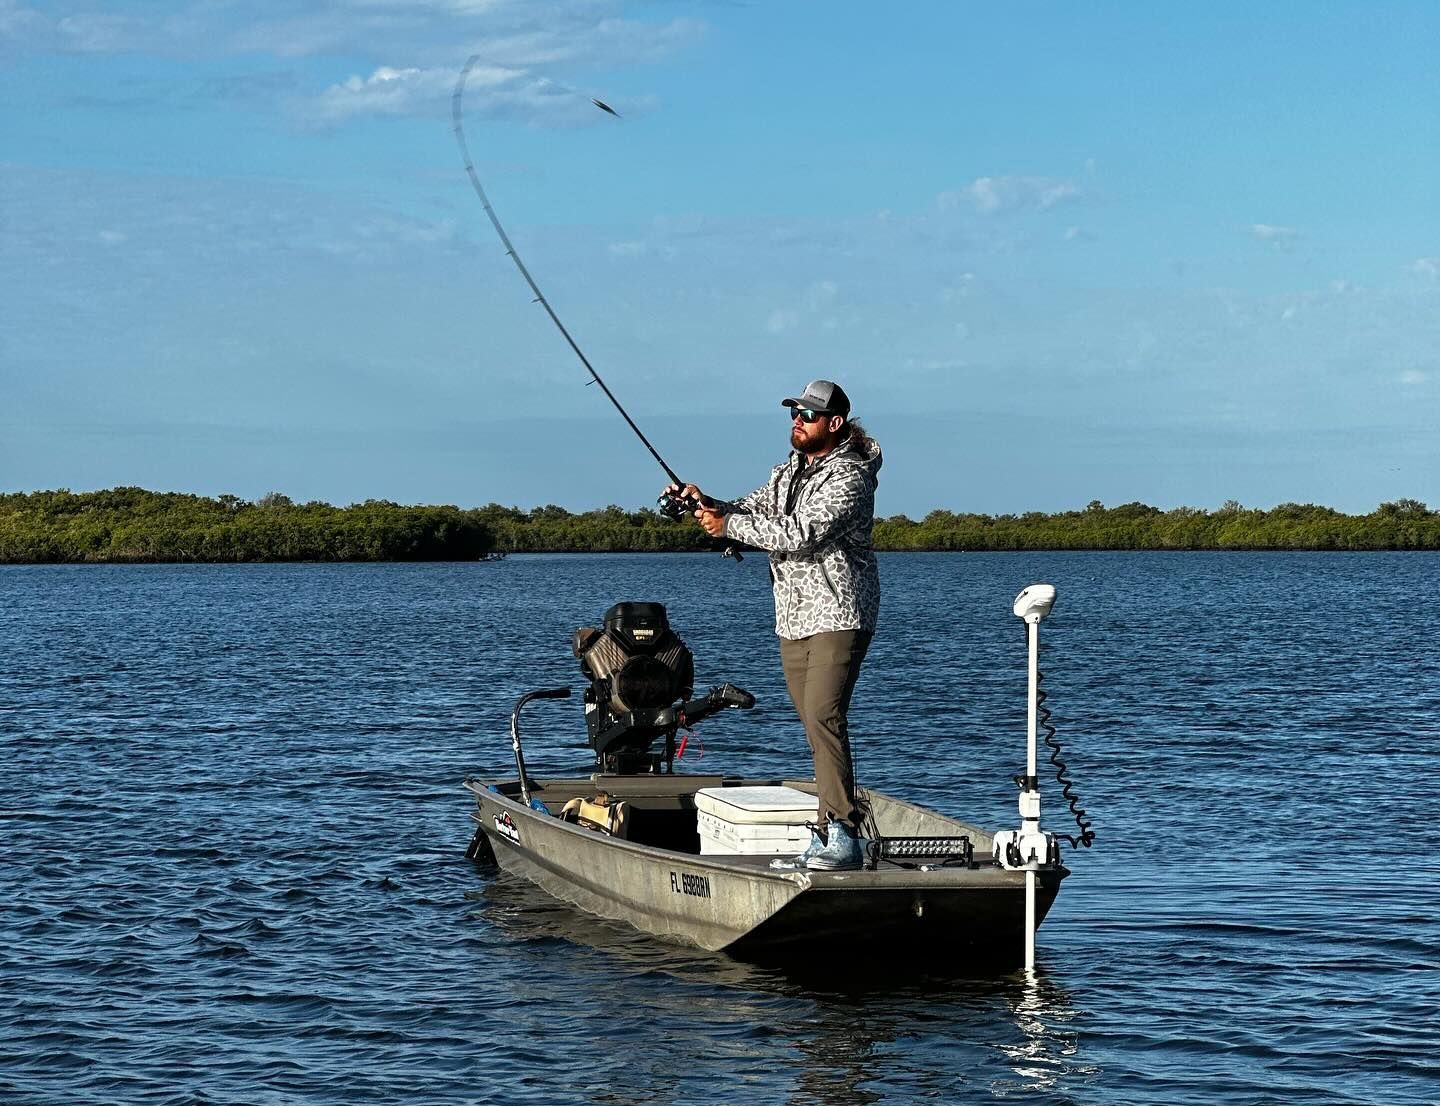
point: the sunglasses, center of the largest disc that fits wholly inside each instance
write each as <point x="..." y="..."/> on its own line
<point x="805" y="414"/>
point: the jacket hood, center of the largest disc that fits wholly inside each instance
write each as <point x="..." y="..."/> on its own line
<point x="859" y="450"/>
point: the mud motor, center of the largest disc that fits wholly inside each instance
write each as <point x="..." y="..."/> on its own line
<point x="642" y="686"/>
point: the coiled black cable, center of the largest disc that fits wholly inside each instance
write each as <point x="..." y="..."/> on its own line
<point x="1062" y="773"/>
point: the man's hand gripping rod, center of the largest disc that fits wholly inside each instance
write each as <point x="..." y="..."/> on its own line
<point x="669" y="506"/>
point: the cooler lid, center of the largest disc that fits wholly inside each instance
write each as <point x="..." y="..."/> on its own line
<point x="756" y="804"/>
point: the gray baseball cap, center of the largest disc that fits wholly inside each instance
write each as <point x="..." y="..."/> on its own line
<point x="821" y="395"/>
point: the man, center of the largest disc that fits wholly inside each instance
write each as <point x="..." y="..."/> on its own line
<point x="814" y="518"/>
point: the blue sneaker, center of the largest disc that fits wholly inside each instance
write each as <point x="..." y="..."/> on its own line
<point x="792" y="863"/>
<point x="841" y="852"/>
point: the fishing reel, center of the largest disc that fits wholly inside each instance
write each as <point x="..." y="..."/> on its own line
<point x="675" y="507"/>
<point x="642" y="677"/>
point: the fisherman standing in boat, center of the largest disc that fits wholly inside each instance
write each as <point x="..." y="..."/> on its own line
<point x="814" y="518"/>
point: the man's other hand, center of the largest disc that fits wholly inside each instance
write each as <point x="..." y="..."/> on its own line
<point x="712" y="520"/>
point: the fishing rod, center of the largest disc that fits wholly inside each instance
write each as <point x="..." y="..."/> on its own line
<point x="672" y="506"/>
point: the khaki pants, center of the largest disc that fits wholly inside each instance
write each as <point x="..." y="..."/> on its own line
<point x="820" y="672"/>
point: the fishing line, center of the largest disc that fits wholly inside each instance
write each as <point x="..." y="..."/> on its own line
<point x="457" y="114"/>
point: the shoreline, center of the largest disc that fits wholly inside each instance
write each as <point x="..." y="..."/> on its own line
<point x="137" y="526"/>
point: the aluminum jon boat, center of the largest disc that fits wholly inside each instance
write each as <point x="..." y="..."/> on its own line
<point x="688" y="858"/>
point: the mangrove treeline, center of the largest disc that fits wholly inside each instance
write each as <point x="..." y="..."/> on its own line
<point x="132" y="525"/>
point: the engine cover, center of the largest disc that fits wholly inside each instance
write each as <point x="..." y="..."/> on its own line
<point x="638" y="668"/>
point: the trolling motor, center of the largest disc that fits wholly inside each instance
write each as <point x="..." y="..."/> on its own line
<point x="1030" y="849"/>
<point x="642" y="679"/>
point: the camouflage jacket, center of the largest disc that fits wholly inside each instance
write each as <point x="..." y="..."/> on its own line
<point x="815" y="520"/>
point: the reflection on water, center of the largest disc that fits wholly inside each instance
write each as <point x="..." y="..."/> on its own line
<point x="1049" y="1046"/>
<point x="534" y="921"/>
<point x="857" y="1029"/>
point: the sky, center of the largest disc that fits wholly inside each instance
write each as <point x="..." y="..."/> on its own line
<point x="1176" y="254"/>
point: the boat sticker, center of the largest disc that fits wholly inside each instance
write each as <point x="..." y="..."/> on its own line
<point x="507" y="828"/>
<point x="683" y="883"/>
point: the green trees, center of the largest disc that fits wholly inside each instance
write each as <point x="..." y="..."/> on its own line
<point x="1406" y="524"/>
<point x="135" y="525"/>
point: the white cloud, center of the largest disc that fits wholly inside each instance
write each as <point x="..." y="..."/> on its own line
<point x="577" y="36"/>
<point x="996" y="195"/>
<point x="386" y="91"/>
<point x="538" y="45"/>
<point x="15" y="20"/>
<point x="99" y="34"/>
<point x="1268" y="232"/>
<point x="152" y="224"/>
<point x="781" y="320"/>
<point x="490" y="90"/>
<point x="820" y="295"/>
<point x="510" y="31"/>
<point x="406" y="231"/>
<point x="85" y="30"/>
<point x="817" y="307"/>
<point x="1426" y="267"/>
<point x="1412" y="377"/>
<point x="964" y="288"/>
<point x="628" y="249"/>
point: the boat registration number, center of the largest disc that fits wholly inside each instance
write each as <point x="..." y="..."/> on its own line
<point x="683" y="883"/>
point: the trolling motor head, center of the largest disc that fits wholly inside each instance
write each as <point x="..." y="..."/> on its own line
<point x="1034" y="603"/>
<point x="641" y="677"/>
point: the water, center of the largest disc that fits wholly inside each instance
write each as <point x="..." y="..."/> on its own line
<point x="234" y="830"/>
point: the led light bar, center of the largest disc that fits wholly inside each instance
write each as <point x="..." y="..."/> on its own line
<point x="943" y="849"/>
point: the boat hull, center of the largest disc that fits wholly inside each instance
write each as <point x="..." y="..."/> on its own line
<point x="741" y="905"/>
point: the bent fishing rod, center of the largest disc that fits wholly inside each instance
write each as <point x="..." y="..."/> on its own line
<point x="672" y="506"/>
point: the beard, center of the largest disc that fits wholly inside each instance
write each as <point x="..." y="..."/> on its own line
<point x="809" y="444"/>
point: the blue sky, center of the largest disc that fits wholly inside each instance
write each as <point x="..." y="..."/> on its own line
<point x="1055" y="252"/>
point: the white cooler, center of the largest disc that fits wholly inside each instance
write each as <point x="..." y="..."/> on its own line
<point x="768" y="820"/>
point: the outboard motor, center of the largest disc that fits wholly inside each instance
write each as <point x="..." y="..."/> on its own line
<point x="642" y="677"/>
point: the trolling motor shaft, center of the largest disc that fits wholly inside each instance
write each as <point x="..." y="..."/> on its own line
<point x="1029" y="848"/>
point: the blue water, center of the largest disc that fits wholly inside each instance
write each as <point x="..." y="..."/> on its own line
<point x="233" y="835"/>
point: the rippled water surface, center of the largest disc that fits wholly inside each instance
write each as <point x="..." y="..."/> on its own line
<point x="234" y="831"/>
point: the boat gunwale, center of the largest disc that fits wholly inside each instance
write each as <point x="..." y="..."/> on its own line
<point x="981" y="871"/>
